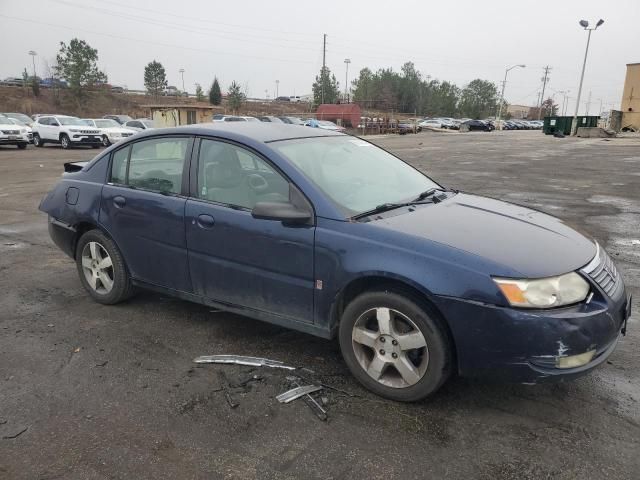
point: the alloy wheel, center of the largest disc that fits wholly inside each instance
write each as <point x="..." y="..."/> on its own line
<point x="390" y="347"/>
<point x="97" y="267"/>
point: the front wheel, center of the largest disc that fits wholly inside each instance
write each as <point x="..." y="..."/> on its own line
<point x="105" y="141"/>
<point x="64" y="141"/>
<point x="395" y="346"/>
<point x="102" y="270"/>
<point x="37" y="141"/>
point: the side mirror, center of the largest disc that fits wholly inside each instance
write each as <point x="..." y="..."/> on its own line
<point x="285" y="212"/>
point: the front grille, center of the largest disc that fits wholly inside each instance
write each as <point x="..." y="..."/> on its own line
<point x="604" y="272"/>
<point x="11" y="132"/>
<point x="89" y="132"/>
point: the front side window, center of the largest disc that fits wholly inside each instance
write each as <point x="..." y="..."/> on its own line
<point x="232" y="175"/>
<point x="355" y="174"/>
<point x="154" y="165"/>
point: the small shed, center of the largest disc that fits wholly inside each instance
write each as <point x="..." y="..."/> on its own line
<point x="348" y="114"/>
<point x="167" y="115"/>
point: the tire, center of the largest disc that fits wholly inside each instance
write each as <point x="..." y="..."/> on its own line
<point x="105" y="141"/>
<point x="91" y="252"/>
<point x="65" y="142"/>
<point x="37" y="141"/>
<point x="22" y="146"/>
<point x="431" y="360"/>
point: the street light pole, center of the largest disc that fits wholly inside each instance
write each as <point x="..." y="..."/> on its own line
<point x="347" y="61"/>
<point x="33" y="59"/>
<point x="584" y="24"/>
<point x="504" y="83"/>
<point x="182" y="74"/>
<point x="277" y="88"/>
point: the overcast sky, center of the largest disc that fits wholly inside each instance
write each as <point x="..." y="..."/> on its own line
<point x="256" y="42"/>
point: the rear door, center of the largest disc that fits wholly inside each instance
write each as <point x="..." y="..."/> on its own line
<point x="143" y="205"/>
<point x="235" y="258"/>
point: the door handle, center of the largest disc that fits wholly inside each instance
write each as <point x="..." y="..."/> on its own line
<point x="205" y="221"/>
<point x="119" y="201"/>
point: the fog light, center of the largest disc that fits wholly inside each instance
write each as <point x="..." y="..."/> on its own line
<point x="573" y="361"/>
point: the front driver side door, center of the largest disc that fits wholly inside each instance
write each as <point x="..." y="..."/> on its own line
<point x="235" y="258"/>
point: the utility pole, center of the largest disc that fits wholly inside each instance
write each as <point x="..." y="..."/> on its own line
<point x="346" y="80"/>
<point x="33" y="59"/>
<point x="504" y="84"/>
<point x="182" y="74"/>
<point x="277" y="89"/>
<point x="324" y="58"/>
<point x="545" y="79"/>
<point x="588" y="103"/>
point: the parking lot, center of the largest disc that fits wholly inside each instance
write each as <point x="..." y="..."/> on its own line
<point x="95" y="392"/>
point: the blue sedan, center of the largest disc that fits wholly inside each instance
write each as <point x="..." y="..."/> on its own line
<point x="328" y="234"/>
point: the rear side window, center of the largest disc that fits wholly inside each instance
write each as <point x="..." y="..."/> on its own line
<point x="154" y="165"/>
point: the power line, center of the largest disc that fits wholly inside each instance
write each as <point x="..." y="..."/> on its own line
<point x="120" y="37"/>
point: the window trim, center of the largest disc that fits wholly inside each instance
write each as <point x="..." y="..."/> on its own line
<point x="195" y="165"/>
<point x="186" y="167"/>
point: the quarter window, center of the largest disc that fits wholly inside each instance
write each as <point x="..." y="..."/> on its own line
<point x="235" y="176"/>
<point x="154" y="165"/>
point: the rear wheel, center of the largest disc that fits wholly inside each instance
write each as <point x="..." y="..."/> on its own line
<point x="64" y="141"/>
<point x="37" y="141"/>
<point x="395" y="346"/>
<point x="102" y="270"/>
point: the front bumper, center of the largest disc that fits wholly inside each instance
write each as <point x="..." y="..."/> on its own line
<point x="523" y="346"/>
<point x="88" y="139"/>
<point x="13" y="139"/>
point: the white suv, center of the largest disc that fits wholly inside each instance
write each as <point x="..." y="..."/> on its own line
<point x="65" y="130"/>
<point x="112" y="131"/>
<point x="11" y="134"/>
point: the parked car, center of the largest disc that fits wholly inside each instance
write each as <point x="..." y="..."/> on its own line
<point x="116" y="89"/>
<point x="121" y="119"/>
<point x="342" y="239"/>
<point x="232" y="118"/>
<point x="13" y="81"/>
<point x="12" y="134"/>
<point x="270" y="119"/>
<point x="324" y="124"/>
<point x="292" y="120"/>
<point x="139" y="124"/>
<point x="26" y="119"/>
<point x="111" y="131"/>
<point x="20" y="124"/>
<point x="294" y="99"/>
<point x="53" y="83"/>
<point x="431" y="123"/>
<point x="405" y="127"/>
<point x="283" y="99"/>
<point x="64" y="130"/>
<point x="171" y="91"/>
<point x="476" y="125"/>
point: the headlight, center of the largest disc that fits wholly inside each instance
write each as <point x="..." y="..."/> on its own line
<point x="116" y="134"/>
<point x="544" y="292"/>
<point x="23" y="131"/>
<point x="75" y="130"/>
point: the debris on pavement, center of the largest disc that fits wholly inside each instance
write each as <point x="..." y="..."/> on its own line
<point x="224" y="384"/>
<point x="242" y="360"/>
<point x="15" y="435"/>
<point x="246" y="381"/>
<point x="311" y="402"/>
<point x="297" y="392"/>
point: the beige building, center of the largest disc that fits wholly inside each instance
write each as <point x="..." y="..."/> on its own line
<point x="630" y="104"/>
<point x="174" y="115"/>
<point x="518" y="111"/>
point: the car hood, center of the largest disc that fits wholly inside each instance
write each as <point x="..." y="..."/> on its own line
<point x="527" y="242"/>
<point x="118" y="130"/>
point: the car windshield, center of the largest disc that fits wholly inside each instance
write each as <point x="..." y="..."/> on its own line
<point x="326" y="123"/>
<point x="147" y="123"/>
<point x="106" y="123"/>
<point x="356" y="175"/>
<point x="20" y="117"/>
<point x="71" y="121"/>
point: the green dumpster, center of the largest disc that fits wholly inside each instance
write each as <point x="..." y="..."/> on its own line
<point x="555" y="124"/>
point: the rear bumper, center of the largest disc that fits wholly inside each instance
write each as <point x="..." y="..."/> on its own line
<point x="523" y="346"/>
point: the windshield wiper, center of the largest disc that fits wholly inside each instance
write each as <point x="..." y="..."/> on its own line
<point x="385" y="207"/>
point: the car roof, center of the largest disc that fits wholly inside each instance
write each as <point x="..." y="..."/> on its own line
<point x="258" y="131"/>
